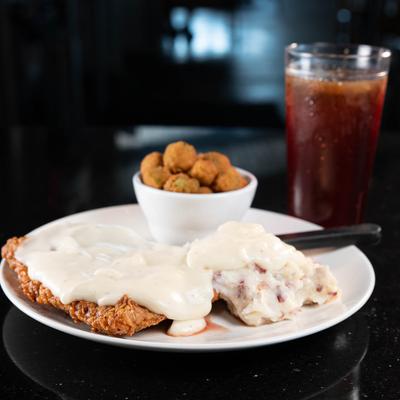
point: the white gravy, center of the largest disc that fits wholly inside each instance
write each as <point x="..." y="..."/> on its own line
<point x="102" y="263"/>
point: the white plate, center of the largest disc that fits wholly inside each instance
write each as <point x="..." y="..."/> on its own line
<point x="351" y="267"/>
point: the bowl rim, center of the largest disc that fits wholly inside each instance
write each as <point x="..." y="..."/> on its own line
<point x="250" y="187"/>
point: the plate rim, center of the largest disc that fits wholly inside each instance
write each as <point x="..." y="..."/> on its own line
<point x="11" y="294"/>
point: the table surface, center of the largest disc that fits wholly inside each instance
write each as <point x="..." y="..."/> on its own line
<point x="357" y="359"/>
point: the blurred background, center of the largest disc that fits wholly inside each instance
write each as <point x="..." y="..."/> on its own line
<point x="88" y="87"/>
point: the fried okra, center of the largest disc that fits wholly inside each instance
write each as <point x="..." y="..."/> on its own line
<point x="179" y="169"/>
<point x="204" y="171"/>
<point x="229" y="180"/>
<point x="179" y="156"/>
<point x="204" y="190"/>
<point x="156" y="177"/>
<point x="154" y="159"/>
<point x="182" y="183"/>
<point x="220" y="160"/>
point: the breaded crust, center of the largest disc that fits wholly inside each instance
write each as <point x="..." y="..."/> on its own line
<point x="122" y="319"/>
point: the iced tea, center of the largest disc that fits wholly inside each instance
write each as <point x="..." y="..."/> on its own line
<point x="332" y="127"/>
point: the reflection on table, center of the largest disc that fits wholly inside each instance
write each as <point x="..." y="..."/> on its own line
<point x="325" y="365"/>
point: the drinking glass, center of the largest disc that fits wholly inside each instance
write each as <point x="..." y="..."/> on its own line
<point x="334" y="101"/>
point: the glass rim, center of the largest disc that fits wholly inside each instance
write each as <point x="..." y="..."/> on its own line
<point x="305" y="50"/>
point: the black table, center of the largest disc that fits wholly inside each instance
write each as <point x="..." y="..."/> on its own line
<point x="359" y="358"/>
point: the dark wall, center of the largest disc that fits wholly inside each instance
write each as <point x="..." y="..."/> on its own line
<point x="70" y="64"/>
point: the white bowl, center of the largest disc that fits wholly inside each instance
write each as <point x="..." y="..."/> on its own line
<point x="176" y="218"/>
